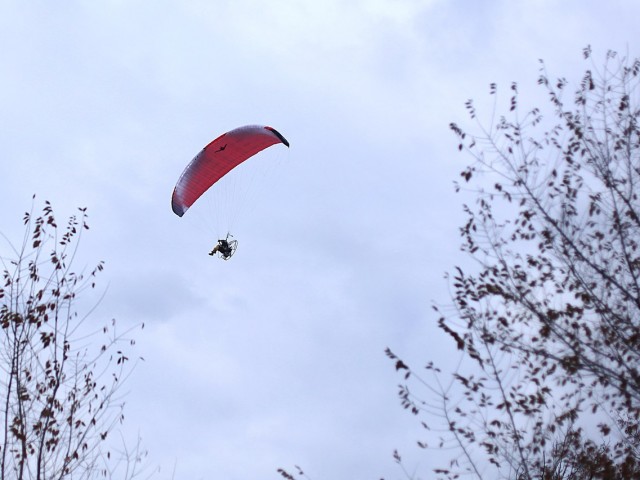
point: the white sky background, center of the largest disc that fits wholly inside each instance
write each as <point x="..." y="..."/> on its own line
<point x="274" y="358"/>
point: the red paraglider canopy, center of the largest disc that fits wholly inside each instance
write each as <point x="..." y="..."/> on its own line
<point x="217" y="159"/>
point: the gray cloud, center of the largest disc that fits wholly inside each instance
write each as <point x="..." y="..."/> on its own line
<point x="276" y="357"/>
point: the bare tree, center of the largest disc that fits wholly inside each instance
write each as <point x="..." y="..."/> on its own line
<point x="547" y="317"/>
<point x="59" y="375"/>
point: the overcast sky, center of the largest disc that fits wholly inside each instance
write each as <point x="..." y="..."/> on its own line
<point x="275" y="357"/>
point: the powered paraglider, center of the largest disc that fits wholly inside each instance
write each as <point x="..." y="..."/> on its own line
<point x="215" y="161"/>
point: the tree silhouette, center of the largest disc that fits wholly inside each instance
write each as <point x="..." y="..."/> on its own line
<point x="59" y="375"/>
<point x="547" y="316"/>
